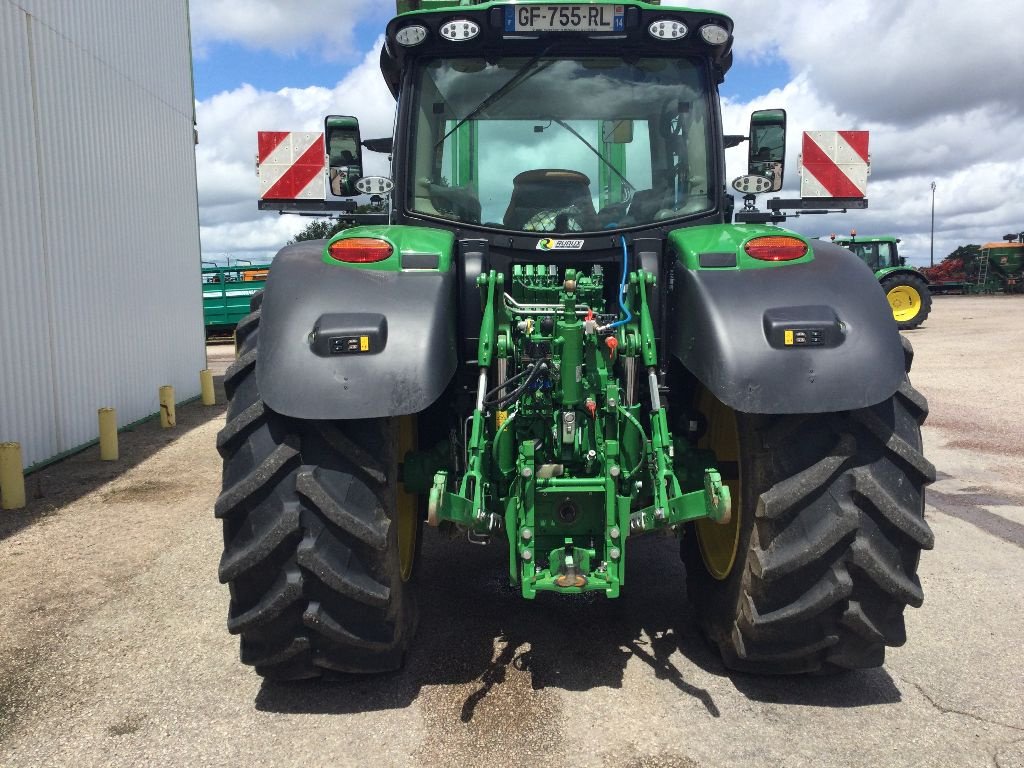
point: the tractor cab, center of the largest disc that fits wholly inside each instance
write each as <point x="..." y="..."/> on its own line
<point x="877" y="252"/>
<point x="580" y="145"/>
<point x="558" y="120"/>
<point x="905" y="287"/>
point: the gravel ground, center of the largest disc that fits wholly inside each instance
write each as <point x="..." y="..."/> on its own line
<point x="971" y="355"/>
<point x="113" y="649"/>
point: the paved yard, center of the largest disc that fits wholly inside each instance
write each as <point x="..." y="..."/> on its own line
<point x="113" y="649"/>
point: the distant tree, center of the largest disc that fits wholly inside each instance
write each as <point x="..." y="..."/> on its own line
<point x="320" y="229"/>
<point x="965" y="253"/>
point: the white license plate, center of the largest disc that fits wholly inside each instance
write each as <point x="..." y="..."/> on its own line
<point x="564" y="18"/>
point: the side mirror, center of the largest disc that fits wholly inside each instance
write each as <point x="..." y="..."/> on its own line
<point x="344" y="155"/>
<point x="768" y="146"/>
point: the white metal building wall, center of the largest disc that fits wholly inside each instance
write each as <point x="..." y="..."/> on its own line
<point x="100" y="298"/>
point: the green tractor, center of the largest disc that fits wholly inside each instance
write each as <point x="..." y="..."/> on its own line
<point x="905" y="287"/>
<point x="554" y="339"/>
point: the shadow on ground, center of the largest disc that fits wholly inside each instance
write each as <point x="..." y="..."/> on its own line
<point x="54" y="487"/>
<point x="476" y="634"/>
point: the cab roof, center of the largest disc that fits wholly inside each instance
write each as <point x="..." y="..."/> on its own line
<point x="410" y="6"/>
<point x="868" y="239"/>
<point x="634" y="39"/>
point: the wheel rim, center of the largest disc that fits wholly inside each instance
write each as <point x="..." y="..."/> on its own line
<point x="905" y="302"/>
<point x="719" y="542"/>
<point x="406" y="504"/>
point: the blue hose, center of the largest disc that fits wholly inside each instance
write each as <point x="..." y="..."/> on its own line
<point x="622" y="287"/>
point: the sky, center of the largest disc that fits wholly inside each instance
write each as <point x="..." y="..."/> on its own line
<point x="938" y="83"/>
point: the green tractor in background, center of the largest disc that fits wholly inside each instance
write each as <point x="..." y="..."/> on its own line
<point x="905" y="287"/>
<point x="554" y="339"/>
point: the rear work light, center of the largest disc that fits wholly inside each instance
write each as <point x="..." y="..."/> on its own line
<point x="667" y="29"/>
<point x="776" y="248"/>
<point x="411" y="35"/>
<point x="714" y="34"/>
<point x="360" y="250"/>
<point x="459" y="30"/>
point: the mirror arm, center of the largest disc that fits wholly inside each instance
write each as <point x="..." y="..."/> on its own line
<point x="734" y="140"/>
<point x="383" y="146"/>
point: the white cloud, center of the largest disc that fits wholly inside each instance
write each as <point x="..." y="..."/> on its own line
<point x="889" y="62"/>
<point x="972" y="157"/>
<point x="226" y="154"/>
<point x="936" y="83"/>
<point x="321" y="27"/>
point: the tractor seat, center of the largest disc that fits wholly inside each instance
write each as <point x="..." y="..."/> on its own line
<point x="551" y="200"/>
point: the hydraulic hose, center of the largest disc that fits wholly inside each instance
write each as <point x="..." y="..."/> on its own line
<point x="525" y="372"/>
<point x="622" y="288"/>
<point x="643" y="440"/>
<point x="515" y="394"/>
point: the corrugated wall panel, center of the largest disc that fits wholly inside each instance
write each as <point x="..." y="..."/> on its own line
<point x="26" y="375"/>
<point x="117" y="218"/>
<point x="123" y="34"/>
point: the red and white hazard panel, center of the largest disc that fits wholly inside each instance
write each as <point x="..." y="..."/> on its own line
<point x="290" y="165"/>
<point x="834" y="164"/>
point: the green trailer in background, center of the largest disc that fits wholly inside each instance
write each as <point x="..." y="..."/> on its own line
<point x="226" y="294"/>
<point x="1001" y="266"/>
<point x="905" y="287"/>
<point x="981" y="269"/>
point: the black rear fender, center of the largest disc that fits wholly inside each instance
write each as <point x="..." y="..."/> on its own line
<point x="345" y="343"/>
<point x="804" y="338"/>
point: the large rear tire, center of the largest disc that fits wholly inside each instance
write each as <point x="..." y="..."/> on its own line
<point x="909" y="298"/>
<point x="316" y="548"/>
<point x="821" y="560"/>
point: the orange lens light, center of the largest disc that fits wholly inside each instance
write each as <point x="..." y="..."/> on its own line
<point x="776" y="248"/>
<point x="360" y="250"/>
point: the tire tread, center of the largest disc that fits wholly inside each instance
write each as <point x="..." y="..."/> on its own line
<point x="829" y="564"/>
<point x="309" y="551"/>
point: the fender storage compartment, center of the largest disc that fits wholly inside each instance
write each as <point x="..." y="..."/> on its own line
<point x="814" y="326"/>
<point x="803" y="338"/>
<point x="349" y="333"/>
<point x="342" y="343"/>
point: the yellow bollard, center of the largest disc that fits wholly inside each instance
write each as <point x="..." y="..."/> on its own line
<point x="167" y="406"/>
<point x="206" y="387"/>
<point x="108" y="434"/>
<point x="12" y="477"/>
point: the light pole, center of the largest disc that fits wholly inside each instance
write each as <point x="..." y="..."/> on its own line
<point x="932" y="261"/>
